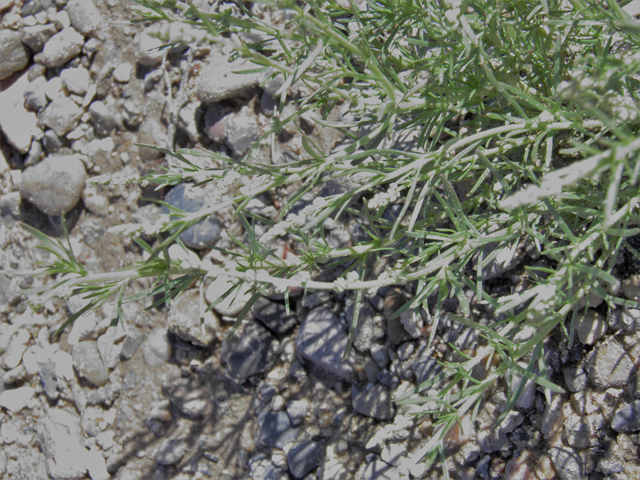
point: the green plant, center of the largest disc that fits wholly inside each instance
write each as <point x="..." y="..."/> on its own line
<point x="523" y="126"/>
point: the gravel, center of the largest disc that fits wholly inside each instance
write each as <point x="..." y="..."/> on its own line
<point x="61" y="48"/>
<point x="15" y="55"/>
<point x="61" y="115"/>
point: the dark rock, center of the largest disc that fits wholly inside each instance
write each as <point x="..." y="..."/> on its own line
<point x="252" y="351"/>
<point x="627" y="418"/>
<point x="575" y="378"/>
<point x="304" y="457"/>
<point x="190" y="199"/>
<point x="51" y="142"/>
<point x="426" y="367"/>
<point x="396" y="333"/>
<point x="274" y="315"/>
<point x="388" y="379"/>
<point x="275" y="430"/>
<point x="374" y="402"/>
<point x="363" y="337"/>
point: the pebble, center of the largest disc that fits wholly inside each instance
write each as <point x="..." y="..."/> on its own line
<point x="364" y="333"/>
<point x="297" y="411"/>
<point x="193" y="401"/>
<point x="16" y="399"/>
<point x="51" y="142"/>
<point x="567" y="463"/>
<point x="275" y="430"/>
<point x="34" y="97"/>
<point x="575" y="378"/>
<point x="122" y="73"/>
<point x="84" y="16"/>
<point x="184" y="320"/>
<point x="591" y="326"/>
<point x="374" y="402"/>
<point x="148" y="46"/>
<point x="37" y="36"/>
<point x="380" y="355"/>
<point x="156" y="350"/>
<point x="18" y="124"/>
<point x="609" y="365"/>
<point x="189" y="198"/>
<point x="273" y="315"/>
<point x="426" y="367"/>
<point x="14" y="54"/>
<point x="216" y="120"/>
<point x="170" y="451"/>
<point x="250" y="351"/>
<point x="322" y="341"/>
<point x="131" y="343"/>
<point x="631" y="287"/>
<point x="188" y="120"/>
<point x="263" y="469"/>
<point x="76" y="80"/>
<point x="242" y="131"/>
<point x="62" y="116"/>
<point x="625" y="319"/>
<point x="102" y="118"/>
<point x="304" y="457"/>
<point x="17" y="346"/>
<point x="61" y="48"/>
<point x="55" y="184"/>
<point x="627" y="418"/>
<point x="59" y="437"/>
<point x="396" y="332"/>
<point x="217" y="81"/>
<point x="48" y="379"/>
<point x="577" y="432"/>
<point x="234" y="303"/>
<point x="89" y="364"/>
<point x="388" y="379"/>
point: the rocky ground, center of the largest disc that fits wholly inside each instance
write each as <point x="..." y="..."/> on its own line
<point x="159" y="397"/>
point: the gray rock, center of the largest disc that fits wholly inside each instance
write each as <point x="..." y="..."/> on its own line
<point x="625" y="319"/>
<point x="297" y="411"/>
<point x="426" y="368"/>
<point x="567" y="463"/>
<point x="252" y="351"/>
<point x="76" y="80"/>
<point x="388" y="379"/>
<point x="527" y="398"/>
<point x="156" y="349"/>
<point x="374" y="402"/>
<point x="502" y="263"/>
<point x="148" y="47"/>
<point x="405" y="350"/>
<point x="274" y="315"/>
<point x="131" y="114"/>
<point x="575" y="378"/>
<point x="191" y="399"/>
<point x="61" y="116"/>
<point x="170" y="451"/>
<point x="151" y="132"/>
<point x="263" y="469"/>
<point x="59" y="437"/>
<point x="275" y="430"/>
<point x="217" y="81"/>
<point x="105" y="395"/>
<point x="54" y="185"/>
<point x="102" y="118"/>
<point x="493" y="440"/>
<point x="242" y="131"/>
<point x="216" y="120"/>
<point x="183" y="320"/>
<point x="62" y="47"/>
<point x="268" y="104"/>
<point x="577" y="432"/>
<point x="49" y="380"/>
<point x="84" y="16"/>
<point x="380" y="355"/>
<point x="89" y="364"/>
<point x="609" y="365"/>
<point x="322" y="341"/>
<point x="188" y="120"/>
<point x="34" y="96"/>
<point x="131" y="343"/>
<point x="122" y="73"/>
<point x="37" y="36"/>
<point x="10" y="208"/>
<point x="304" y="457"/>
<point x="396" y="333"/>
<point x="591" y="326"/>
<point x="627" y="418"/>
<point x="51" y="142"/>
<point x="364" y="329"/>
<point x="189" y="198"/>
<point x="14" y="56"/>
<point x="17" y="123"/>
<point x="371" y="370"/>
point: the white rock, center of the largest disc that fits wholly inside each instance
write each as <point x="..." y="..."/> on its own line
<point x="412" y="322"/>
<point x="234" y="303"/>
<point x="17" y="345"/>
<point x="19" y="125"/>
<point x="59" y="436"/>
<point x="96" y="465"/>
<point x="84" y="16"/>
<point x="61" y="48"/>
<point x="76" y="80"/>
<point x="150" y="56"/>
<point x="16" y="399"/>
<point x="122" y="73"/>
<point x="53" y="89"/>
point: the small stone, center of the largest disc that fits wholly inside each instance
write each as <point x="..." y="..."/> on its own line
<point x="51" y="142"/>
<point x="34" y="96"/>
<point x="62" y="116"/>
<point x="242" y="131"/>
<point x="322" y="341"/>
<point x="76" y="80"/>
<point x="102" y="118"/>
<point x="55" y="184"/>
<point x="575" y="378"/>
<point x="189" y="199"/>
<point x="495" y="440"/>
<point x="371" y="370"/>
<point x="216" y="121"/>
<point x="48" y="379"/>
<point x="217" y="81"/>
<point x="170" y="451"/>
<point x="304" y="457"/>
<point x="188" y="120"/>
<point x="378" y="470"/>
<point x="625" y="319"/>
<point x="59" y="437"/>
<point x="88" y="362"/>
<point x="84" y="16"/>
<point x="380" y="355"/>
<point x="274" y="315"/>
<point x="18" y="124"/>
<point x="297" y="411"/>
<point x="396" y="332"/>
<point x="17" y="346"/>
<point x="631" y="288"/>
<point x="609" y="365"/>
<point x="14" y="54"/>
<point x="148" y="46"/>
<point x="591" y="327"/>
<point x="577" y="432"/>
<point x="37" y="36"/>
<point x="503" y="262"/>
<point x="16" y="399"/>
<point x="263" y="469"/>
<point x="252" y="351"/>
<point x="187" y="321"/>
<point x="275" y="430"/>
<point x="192" y="400"/>
<point x="365" y="328"/>
<point x="61" y="48"/>
<point x="234" y="303"/>
<point x="156" y="350"/>
<point x="131" y="343"/>
<point x="122" y="73"/>
<point x="96" y="465"/>
<point x="627" y="418"/>
<point x="374" y="402"/>
<point x="567" y="463"/>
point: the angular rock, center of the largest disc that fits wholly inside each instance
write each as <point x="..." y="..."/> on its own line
<point x="17" y="346"/>
<point x="16" y="399"/>
<point x="577" y="432"/>
<point x="374" y="402"/>
<point x="217" y="81"/>
<point x="364" y="329"/>
<point x="59" y="436"/>
<point x="88" y="363"/>
<point x="575" y="378"/>
<point x="631" y="287"/>
<point x="55" y="184"/>
<point x="148" y="46"/>
<point x="36" y="36"/>
<point x="49" y="379"/>
<point x="102" y="118"/>
<point x="297" y="411"/>
<point x="61" y="48"/>
<point x="216" y="119"/>
<point x="591" y="326"/>
<point x="34" y="97"/>
<point x="627" y="418"/>
<point x="131" y="343"/>
<point x="322" y="341"/>
<point x="61" y="116"/>
<point x="151" y="132"/>
<point x="242" y="131"/>
<point x="156" y="350"/>
<point x="15" y="55"/>
<point x="274" y="315"/>
<point x="275" y="430"/>
<point x="304" y="457"/>
<point x="609" y="365"/>
<point x="378" y="470"/>
<point x="567" y="463"/>
<point x="18" y="124"/>
<point x="252" y="351"/>
<point x="76" y="80"/>
<point x="51" y="142"/>
<point x="263" y="469"/>
<point x="625" y="319"/>
<point x="189" y="199"/>
<point x="234" y="303"/>
<point x="396" y="333"/>
<point x="84" y="16"/>
<point x="183" y="320"/>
